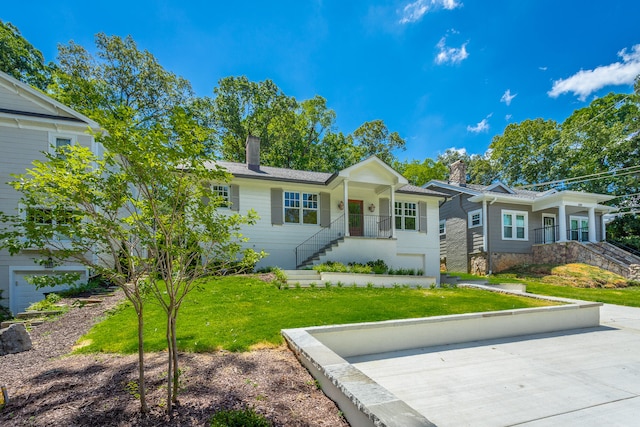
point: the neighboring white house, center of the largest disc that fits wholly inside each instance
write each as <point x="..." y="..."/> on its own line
<point x="31" y="123"/>
<point x="362" y="213"/>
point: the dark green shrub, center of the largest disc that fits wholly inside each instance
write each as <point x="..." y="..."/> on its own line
<point x="239" y="418"/>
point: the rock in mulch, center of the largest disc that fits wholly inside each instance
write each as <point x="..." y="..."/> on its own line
<point x="14" y="339"/>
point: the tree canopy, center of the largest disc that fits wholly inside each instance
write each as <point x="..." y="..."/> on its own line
<point x="20" y="59"/>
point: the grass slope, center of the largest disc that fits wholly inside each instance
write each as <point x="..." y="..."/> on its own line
<point x="238" y="313"/>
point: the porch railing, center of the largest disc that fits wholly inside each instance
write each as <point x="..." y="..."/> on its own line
<point x="370" y="225"/>
<point x="320" y="240"/>
<point x="377" y="226"/>
<point x="551" y="234"/>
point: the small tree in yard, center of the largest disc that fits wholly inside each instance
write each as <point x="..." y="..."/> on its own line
<point x="142" y="216"/>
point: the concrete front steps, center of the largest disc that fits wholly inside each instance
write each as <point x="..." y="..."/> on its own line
<point x="303" y="278"/>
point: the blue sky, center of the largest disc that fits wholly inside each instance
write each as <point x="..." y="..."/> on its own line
<point x="442" y="73"/>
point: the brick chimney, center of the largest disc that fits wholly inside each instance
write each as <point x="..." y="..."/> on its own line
<point x="253" y="153"/>
<point x="458" y="173"/>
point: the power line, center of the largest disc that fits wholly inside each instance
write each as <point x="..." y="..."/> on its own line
<point x="585" y="178"/>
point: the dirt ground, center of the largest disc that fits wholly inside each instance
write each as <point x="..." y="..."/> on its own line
<point x="48" y="387"/>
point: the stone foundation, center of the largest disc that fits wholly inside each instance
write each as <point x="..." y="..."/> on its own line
<point x="501" y="261"/>
<point x="478" y="264"/>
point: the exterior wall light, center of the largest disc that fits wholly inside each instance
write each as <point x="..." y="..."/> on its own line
<point x="372" y="207"/>
<point x="341" y="205"/>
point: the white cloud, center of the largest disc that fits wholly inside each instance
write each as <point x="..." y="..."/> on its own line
<point x="507" y="117"/>
<point x="543" y="68"/>
<point x="414" y="11"/>
<point x="452" y="55"/>
<point x="585" y="82"/>
<point x="482" y="126"/>
<point x="507" y="97"/>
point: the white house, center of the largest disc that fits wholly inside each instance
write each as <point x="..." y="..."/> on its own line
<point x="362" y="213"/>
<point x="31" y="123"/>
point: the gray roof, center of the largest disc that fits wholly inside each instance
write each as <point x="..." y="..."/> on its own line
<point x="412" y="189"/>
<point x="240" y="170"/>
<point x="484" y="189"/>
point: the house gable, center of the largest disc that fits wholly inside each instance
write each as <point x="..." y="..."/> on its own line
<point x="22" y="105"/>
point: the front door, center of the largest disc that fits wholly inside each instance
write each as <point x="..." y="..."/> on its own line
<point x="549" y="224"/>
<point x="356" y="218"/>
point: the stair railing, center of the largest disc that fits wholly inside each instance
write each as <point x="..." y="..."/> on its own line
<point x="322" y="239"/>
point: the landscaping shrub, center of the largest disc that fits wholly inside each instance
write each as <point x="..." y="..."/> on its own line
<point x="239" y="418"/>
<point x="5" y="314"/>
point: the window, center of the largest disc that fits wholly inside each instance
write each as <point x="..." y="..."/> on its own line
<point x="300" y="208"/>
<point x="514" y="225"/>
<point x="52" y="217"/>
<point x="443" y="227"/>
<point x="221" y="191"/>
<point x="406" y="214"/>
<point x="474" y="218"/>
<point x="57" y="143"/>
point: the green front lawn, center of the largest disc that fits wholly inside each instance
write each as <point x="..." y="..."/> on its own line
<point x="238" y="313"/>
<point x="621" y="296"/>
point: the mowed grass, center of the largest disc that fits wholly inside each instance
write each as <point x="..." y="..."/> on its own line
<point x="240" y="313"/>
<point x="576" y="281"/>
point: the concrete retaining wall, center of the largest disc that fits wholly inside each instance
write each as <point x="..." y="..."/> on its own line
<point x="379" y="337"/>
<point x="382" y="280"/>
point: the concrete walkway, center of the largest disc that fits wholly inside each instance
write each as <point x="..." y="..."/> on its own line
<point x="585" y="377"/>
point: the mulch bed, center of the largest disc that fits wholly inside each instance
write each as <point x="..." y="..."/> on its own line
<point x="48" y="387"/>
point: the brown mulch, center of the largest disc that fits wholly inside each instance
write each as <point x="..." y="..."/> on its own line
<point x="49" y="387"/>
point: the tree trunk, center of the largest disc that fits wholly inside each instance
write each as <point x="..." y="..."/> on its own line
<point x="141" y="387"/>
<point x="176" y="371"/>
<point x="170" y="366"/>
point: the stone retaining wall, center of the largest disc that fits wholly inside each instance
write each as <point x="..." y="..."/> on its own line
<point x="568" y="252"/>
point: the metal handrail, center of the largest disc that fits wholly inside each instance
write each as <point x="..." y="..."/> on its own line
<point x="543" y="235"/>
<point x="377" y="226"/>
<point x="624" y="247"/>
<point x="320" y="240"/>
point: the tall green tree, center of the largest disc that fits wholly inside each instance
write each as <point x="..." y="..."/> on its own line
<point x="420" y="173"/>
<point x="602" y="137"/>
<point x="374" y="139"/>
<point x="20" y="59"/>
<point x="528" y="152"/>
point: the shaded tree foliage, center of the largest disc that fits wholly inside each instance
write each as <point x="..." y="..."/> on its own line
<point x="21" y="60"/>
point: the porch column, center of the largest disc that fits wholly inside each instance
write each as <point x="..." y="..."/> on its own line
<point x="592" y="225"/>
<point x="562" y="223"/>
<point x="392" y="211"/>
<point x="484" y="225"/>
<point x="345" y="187"/>
<point x="604" y="228"/>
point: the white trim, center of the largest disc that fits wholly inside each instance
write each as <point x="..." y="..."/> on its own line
<point x="514" y="214"/>
<point x="544" y="230"/>
<point x="54" y="136"/>
<point x="580" y="228"/>
<point x="470" y="216"/>
<point x="13" y="269"/>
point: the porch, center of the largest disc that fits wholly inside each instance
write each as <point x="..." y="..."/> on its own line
<point x="356" y="224"/>
<point x="551" y="234"/>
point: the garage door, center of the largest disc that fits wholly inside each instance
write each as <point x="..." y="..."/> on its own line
<point x="24" y="294"/>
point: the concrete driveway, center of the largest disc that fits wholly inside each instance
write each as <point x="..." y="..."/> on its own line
<point x="583" y="377"/>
